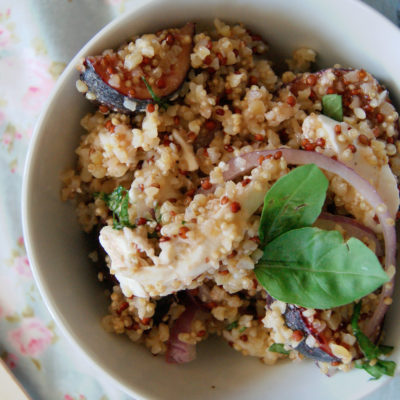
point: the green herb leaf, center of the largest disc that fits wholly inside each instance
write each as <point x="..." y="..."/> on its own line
<point x="118" y="203"/>
<point x="162" y="103"/>
<point x="379" y="369"/>
<point x="157" y="213"/>
<point x="385" y="350"/>
<point x="242" y="329"/>
<point x="332" y="106"/>
<point x="369" y="349"/>
<point x="294" y="201"/>
<point x="232" y="325"/>
<point x="278" y="348"/>
<point x="152" y="235"/>
<point x="314" y="268"/>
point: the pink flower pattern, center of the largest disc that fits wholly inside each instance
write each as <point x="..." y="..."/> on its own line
<point x="31" y="338"/>
<point x="22" y="266"/>
<point x="11" y="360"/>
<point x="27" y="334"/>
<point x="5" y="36"/>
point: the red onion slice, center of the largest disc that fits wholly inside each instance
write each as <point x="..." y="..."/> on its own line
<point x="249" y="161"/>
<point x="179" y="352"/>
<point x="351" y="226"/>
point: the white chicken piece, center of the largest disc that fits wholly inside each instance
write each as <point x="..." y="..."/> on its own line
<point x="375" y="170"/>
<point x="184" y="262"/>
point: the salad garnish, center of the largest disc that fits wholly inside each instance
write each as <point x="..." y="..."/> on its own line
<point x="290" y="203"/>
<point x="278" y="348"/>
<point x="118" y="202"/>
<point x="307" y="266"/>
<point x="371" y="362"/>
<point x="332" y="106"/>
<point x="162" y="103"/>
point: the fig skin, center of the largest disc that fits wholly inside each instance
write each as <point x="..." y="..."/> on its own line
<point x="106" y="95"/>
<point x="135" y="99"/>
<point x="295" y="322"/>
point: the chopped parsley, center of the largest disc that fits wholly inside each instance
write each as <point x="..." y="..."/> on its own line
<point x="232" y="325"/>
<point x="278" y="348"/>
<point x="157" y="213"/>
<point x="118" y="203"/>
<point x="152" y="235"/>
<point x="371" y="362"/>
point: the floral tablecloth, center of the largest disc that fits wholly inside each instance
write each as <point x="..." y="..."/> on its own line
<point x="37" y="38"/>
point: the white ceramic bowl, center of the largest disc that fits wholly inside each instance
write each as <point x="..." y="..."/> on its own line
<point x="341" y="31"/>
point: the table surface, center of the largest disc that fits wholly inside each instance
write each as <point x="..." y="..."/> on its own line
<point x="31" y="59"/>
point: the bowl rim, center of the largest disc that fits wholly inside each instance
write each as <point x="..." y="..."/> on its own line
<point x="39" y="278"/>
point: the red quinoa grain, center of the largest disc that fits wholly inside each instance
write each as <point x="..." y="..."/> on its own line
<point x="228" y="148"/>
<point x="311" y="80"/>
<point x="206" y="184"/>
<point x="352" y="148"/>
<point x="183" y="230"/>
<point x="210" y="124"/>
<point x="291" y="100"/>
<point x="380" y="118"/>
<point x="122" y="307"/>
<point x="170" y="39"/>
<point x="150" y="108"/>
<point x="224" y="200"/>
<point x="364" y="140"/>
<point x="235" y="207"/>
<point x="161" y="83"/>
<point x="110" y="127"/>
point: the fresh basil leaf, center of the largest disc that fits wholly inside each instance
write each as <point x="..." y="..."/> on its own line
<point x="278" y="348"/>
<point x="232" y="325"/>
<point x="242" y="329"/>
<point x="379" y="369"/>
<point x="332" y="106"/>
<point x="118" y="203"/>
<point x="294" y="201"/>
<point x="314" y="268"/>
<point x="162" y="103"/>
<point x="369" y="349"/>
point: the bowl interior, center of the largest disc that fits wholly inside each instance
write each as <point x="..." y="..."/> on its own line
<point x="59" y="251"/>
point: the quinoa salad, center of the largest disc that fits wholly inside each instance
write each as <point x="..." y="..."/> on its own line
<point x="234" y="197"/>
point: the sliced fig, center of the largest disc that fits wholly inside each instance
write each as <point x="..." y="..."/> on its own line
<point x="296" y="322"/>
<point x="117" y="79"/>
<point x="363" y="96"/>
<point x="162" y="308"/>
